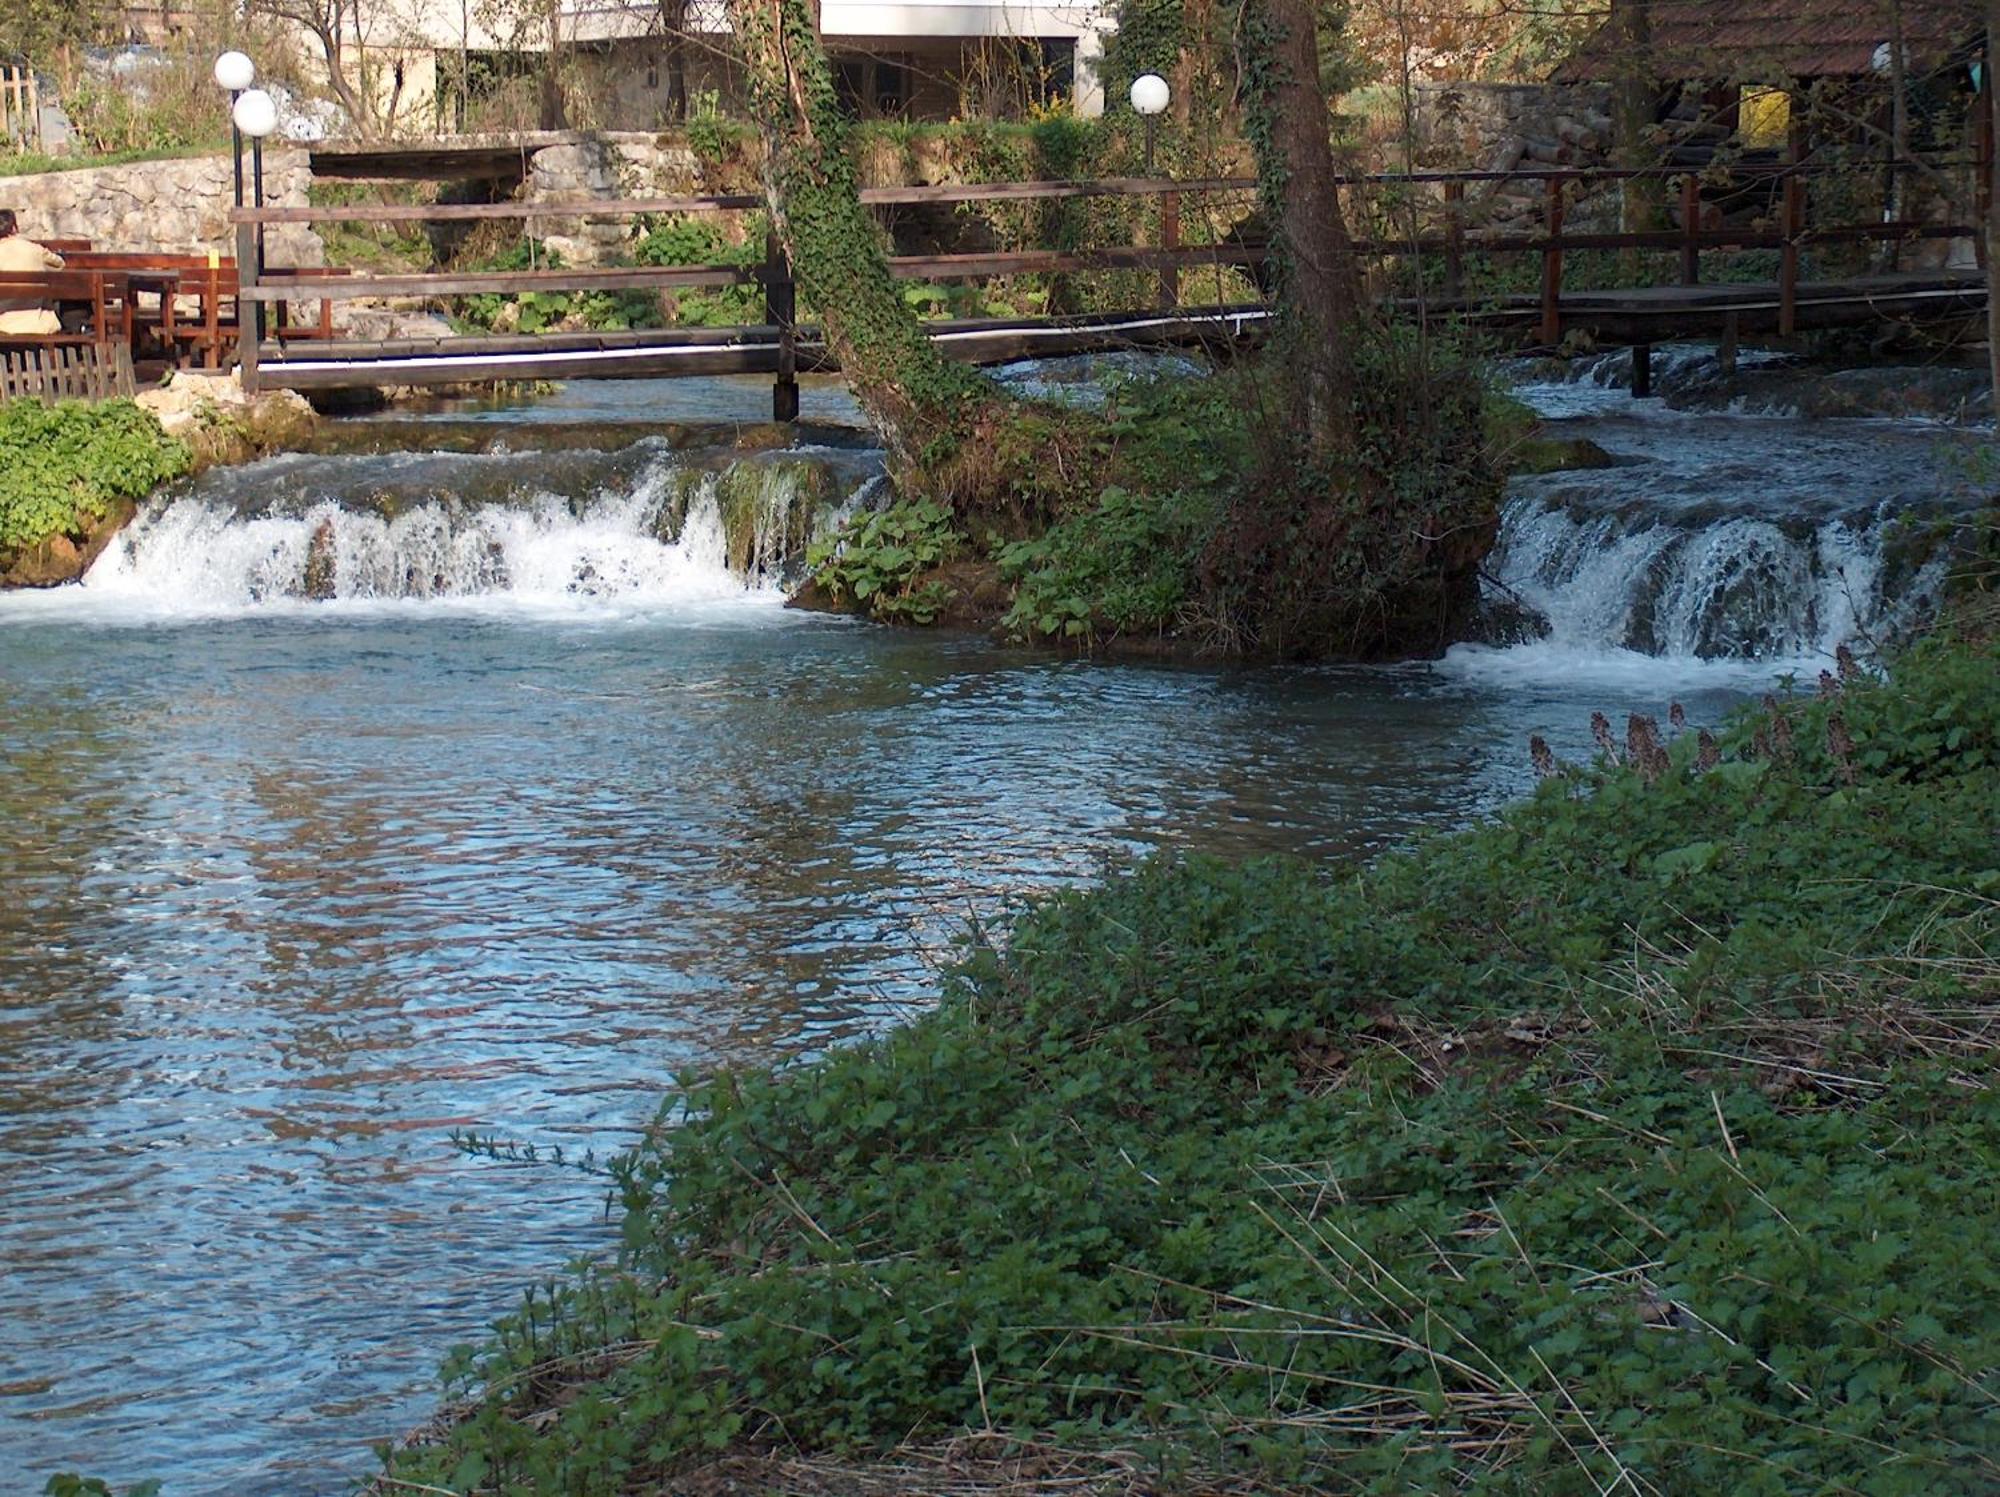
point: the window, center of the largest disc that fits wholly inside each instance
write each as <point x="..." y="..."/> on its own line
<point x="892" y="87"/>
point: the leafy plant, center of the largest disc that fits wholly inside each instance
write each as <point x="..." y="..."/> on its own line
<point x="63" y="467"/>
<point x="1633" y="1140"/>
<point x="878" y="562"/>
<point x="69" y="1484"/>
<point x="710" y="133"/>
<point x="540" y="311"/>
<point x="1124" y="566"/>
<point x="697" y="241"/>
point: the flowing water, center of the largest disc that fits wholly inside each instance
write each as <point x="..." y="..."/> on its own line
<point x="478" y="780"/>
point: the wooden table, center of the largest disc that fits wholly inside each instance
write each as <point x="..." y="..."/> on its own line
<point x="163" y="282"/>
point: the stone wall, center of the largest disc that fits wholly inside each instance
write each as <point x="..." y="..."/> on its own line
<point x="1500" y="126"/>
<point x="162" y="206"/>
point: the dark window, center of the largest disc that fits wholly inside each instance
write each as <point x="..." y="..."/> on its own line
<point x="850" y="85"/>
<point x="1058" y="71"/>
<point x="892" y="87"/>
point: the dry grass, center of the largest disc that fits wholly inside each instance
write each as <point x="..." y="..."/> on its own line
<point x="974" y="1465"/>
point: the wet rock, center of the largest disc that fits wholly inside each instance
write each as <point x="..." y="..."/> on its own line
<point x="318" y="582"/>
<point x="1543" y="454"/>
<point x="63" y="559"/>
<point x="1503" y="620"/>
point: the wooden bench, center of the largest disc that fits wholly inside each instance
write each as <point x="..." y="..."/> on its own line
<point x="106" y="294"/>
<point x="211" y="332"/>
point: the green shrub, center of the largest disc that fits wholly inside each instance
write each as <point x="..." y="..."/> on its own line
<point x="1123" y="567"/>
<point x="1640" y="1139"/>
<point x="542" y="311"/>
<point x="699" y="241"/>
<point x="878" y="561"/>
<point x="1127" y="564"/>
<point x="63" y="467"/>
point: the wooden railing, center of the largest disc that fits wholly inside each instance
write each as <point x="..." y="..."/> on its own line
<point x="1444" y="228"/>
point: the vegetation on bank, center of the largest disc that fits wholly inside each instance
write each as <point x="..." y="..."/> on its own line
<point x="1640" y="1140"/>
<point x="65" y="469"/>
<point x="1168" y="477"/>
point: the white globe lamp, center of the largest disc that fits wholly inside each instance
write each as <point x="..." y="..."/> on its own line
<point x="1150" y="96"/>
<point x="255" y="114"/>
<point x="235" y="72"/>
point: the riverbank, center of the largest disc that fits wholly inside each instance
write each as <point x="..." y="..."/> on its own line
<point x="72" y="475"/>
<point x="1636" y="1136"/>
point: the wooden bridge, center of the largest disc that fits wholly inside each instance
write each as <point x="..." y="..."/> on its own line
<point x="1443" y="238"/>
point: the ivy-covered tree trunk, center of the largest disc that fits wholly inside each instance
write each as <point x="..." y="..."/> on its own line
<point x="910" y="393"/>
<point x="1318" y="285"/>
<point x="1989" y="100"/>
<point x="1635" y="102"/>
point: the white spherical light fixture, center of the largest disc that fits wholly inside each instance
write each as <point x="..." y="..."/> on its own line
<point x="256" y="114"/>
<point x="235" y="71"/>
<point x="1150" y="94"/>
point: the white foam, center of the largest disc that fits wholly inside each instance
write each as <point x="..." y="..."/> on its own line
<point x="645" y="547"/>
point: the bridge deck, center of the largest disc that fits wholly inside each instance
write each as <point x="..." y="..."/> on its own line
<point x="1644" y="315"/>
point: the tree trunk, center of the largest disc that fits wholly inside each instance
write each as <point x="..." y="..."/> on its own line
<point x="551" y="107"/>
<point x="1635" y="104"/>
<point x="1896" y="188"/>
<point x="1318" y="284"/>
<point x="1991" y="101"/>
<point x="910" y="393"/>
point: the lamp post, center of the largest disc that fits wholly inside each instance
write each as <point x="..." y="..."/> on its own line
<point x="256" y="115"/>
<point x="235" y="72"/>
<point x="1150" y="95"/>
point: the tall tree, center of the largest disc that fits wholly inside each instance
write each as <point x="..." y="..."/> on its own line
<point x="1990" y="97"/>
<point x="917" y="401"/>
<point x="1318" y="283"/>
<point x="1635" y="103"/>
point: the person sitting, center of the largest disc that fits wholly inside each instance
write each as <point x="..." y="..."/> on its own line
<point x="18" y="253"/>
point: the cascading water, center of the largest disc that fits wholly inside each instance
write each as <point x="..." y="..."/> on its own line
<point x="1723" y="536"/>
<point x="644" y="525"/>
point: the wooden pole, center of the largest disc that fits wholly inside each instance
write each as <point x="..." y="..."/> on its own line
<point x="246" y="333"/>
<point x="1454" y="240"/>
<point x="1170" y="239"/>
<point x="1794" y="226"/>
<point x="1690" y="227"/>
<point x="1982" y="187"/>
<point x="1552" y="266"/>
<point x="1642" y="371"/>
<point x="781" y="312"/>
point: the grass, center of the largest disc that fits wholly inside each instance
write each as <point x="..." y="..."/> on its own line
<point x="31" y="163"/>
<point x="1639" y="1141"/>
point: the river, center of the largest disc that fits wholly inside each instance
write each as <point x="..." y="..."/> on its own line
<point x="554" y="798"/>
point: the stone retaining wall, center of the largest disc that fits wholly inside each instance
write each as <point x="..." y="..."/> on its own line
<point x="178" y="206"/>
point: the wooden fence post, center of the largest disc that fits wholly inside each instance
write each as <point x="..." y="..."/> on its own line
<point x="1788" y="264"/>
<point x="1170" y="240"/>
<point x="1454" y="240"/>
<point x="1982" y="188"/>
<point x="781" y="312"/>
<point x="1690" y="228"/>
<point x="1552" y="267"/>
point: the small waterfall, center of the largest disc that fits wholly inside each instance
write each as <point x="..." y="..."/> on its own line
<point x="651" y="528"/>
<point x="1747" y="517"/>
<point x="1735" y="587"/>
